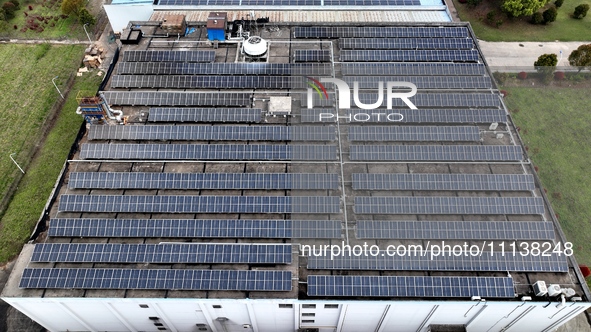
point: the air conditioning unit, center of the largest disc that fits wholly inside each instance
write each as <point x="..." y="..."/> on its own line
<point x="554" y="290"/>
<point x="540" y="288"/>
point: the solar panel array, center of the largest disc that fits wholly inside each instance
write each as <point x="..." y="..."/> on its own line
<point x="167" y="56"/>
<point x="157" y="98"/>
<point x="411" y="116"/>
<point x="199" y="204"/>
<point x="213" y="133"/>
<point x="409" y="55"/>
<point x="437" y="152"/>
<point x="311" y="56"/>
<point x="207" y="152"/>
<point x="258" y="68"/>
<point x="380" y="32"/>
<point x="139" y="180"/>
<point x="406" y="43"/>
<point x="422" y="82"/>
<point x="442" y="261"/>
<point x="289" y="3"/>
<point x="448" y="205"/>
<point x="420" y="100"/>
<point x="413" y="133"/>
<point x="496" y="182"/>
<point x="195" y="228"/>
<point x="179" y="279"/>
<point x="380" y="286"/>
<point x="177" y="114"/>
<point x="175" y="253"/>
<point x="414" y="69"/>
<point x="447" y="230"/>
<point x="202" y="82"/>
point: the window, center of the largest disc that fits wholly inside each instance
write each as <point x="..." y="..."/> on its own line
<point x="331" y="306"/>
<point x="308" y="314"/>
<point x="144" y="306"/>
<point x="201" y="325"/>
<point x="309" y="306"/>
<point x="307" y="321"/>
<point x="158" y="324"/>
<point x="217" y="306"/>
<point x="285" y="305"/>
<point x="153" y="318"/>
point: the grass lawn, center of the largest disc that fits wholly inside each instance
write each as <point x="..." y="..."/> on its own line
<point x="565" y="28"/>
<point x="556" y="127"/>
<point x="27" y="98"/>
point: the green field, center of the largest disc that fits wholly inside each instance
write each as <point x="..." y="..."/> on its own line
<point x="564" y="28"/>
<point x="555" y="126"/>
<point x="27" y="99"/>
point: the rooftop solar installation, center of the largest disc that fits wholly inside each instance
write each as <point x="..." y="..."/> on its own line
<point x="311" y="115"/>
<point x="386" y="286"/>
<point x="199" y="204"/>
<point x="181" y="279"/>
<point x="494" y="182"/>
<point x="312" y="56"/>
<point x="448" y="205"/>
<point x="420" y="100"/>
<point x="140" y="180"/>
<point x="289" y="3"/>
<point x="398" y="116"/>
<point x="422" y="82"/>
<point x="157" y="98"/>
<point x="438" y="261"/>
<point x="448" y="230"/>
<point x="213" y="133"/>
<point x="413" y="133"/>
<point x="176" y="253"/>
<point x="407" y="43"/>
<point x="414" y="69"/>
<point x="177" y="114"/>
<point x="207" y="152"/>
<point x="409" y="55"/>
<point x="257" y="68"/>
<point x="167" y="56"/>
<point x="195" y="228"/>
<point x="201" y="82"/>
<point x="437" y="152"/>
<point x="380" y="32"/>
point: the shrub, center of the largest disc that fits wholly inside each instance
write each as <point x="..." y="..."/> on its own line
<point x="86" y="18"/>
<point x="558" y="3"/>
<point x="72" y="6"/>
<point x="500" y="77"/>
<point x="474" y="3"/>
<point x="490" y="16"/>
<point x="550" y="15"/>
<point x="537" y="18"/>
<point x="9" y="10"/>
<point x="559" y="76"/>
<point x="581" y="11"/>
<point x="17" y="5"/>
<point x="585" y="271"/>
<point x="522" y="75"/>
<point x="498" y="23"/>
<point x="15" y="27"/>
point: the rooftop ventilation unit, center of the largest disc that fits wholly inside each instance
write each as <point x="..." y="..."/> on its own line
<point x="540" y="288"/>
<point x="255" y="48"/>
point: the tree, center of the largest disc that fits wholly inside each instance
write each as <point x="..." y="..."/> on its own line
<point x="72" y="6"/>
<point x="85" y="17"/>
<point x="581" y="11"/>
<point x="545" y="65"/>
<point x="517" y="8"/>
<point x="581" y="57"/>
<point x="550" y="15"/>
<point x="9" y="10"/>
<point x="558" y="3"/>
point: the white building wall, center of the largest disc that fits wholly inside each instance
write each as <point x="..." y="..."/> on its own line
<point x="266" y="315"/>
<point x="120" y="15"/>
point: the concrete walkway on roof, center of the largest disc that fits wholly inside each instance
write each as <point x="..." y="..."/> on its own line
<point x="520" y="56"/>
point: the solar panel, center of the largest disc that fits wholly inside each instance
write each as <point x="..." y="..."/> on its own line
<point x="442" y="261"/>
<point x="380" y="32"/>
<point x="167" y="56"/>
<point x="409" y="55"/>
<point x="199" y="204"/>
<point x="448" y="230"/>
<point x="257" y="68"/>
<point x="158" y="98"/>
<point x="180" y="279"/>
<point x="366" y="3"/>
<point x="214" y="133"/>
<point x="140" y="180"/>
<point x="423" y="116"/>
<point x="194" y="228"/>
<point x="422" y="82"/>
<point x="437" y="152"/>
<point x="176" y="253"/>
<point x="312" y="56"/>
<point x="420" y="100"/>
<point x="207" y="152"/>
<point x="448" y="205"/>
<point x="413" y="133"/>
<point x="174" y="114"/>
<point x="414" y="69"/>
<point x="380" y="286"/>
<point x="495" y="182"/>
<point x="202" y="82"/>
<point x="310" y="115"/>
<point x="407" y="43"/>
